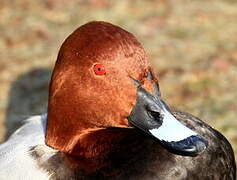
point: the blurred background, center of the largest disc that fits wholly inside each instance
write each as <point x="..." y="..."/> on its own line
<point x="192" y="45"/>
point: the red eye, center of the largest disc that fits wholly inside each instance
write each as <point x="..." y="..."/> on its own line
<point x="99" y="69"/>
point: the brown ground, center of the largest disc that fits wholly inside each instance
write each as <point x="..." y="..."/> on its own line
<point x="191" y="44"/>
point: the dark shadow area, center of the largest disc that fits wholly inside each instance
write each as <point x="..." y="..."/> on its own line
<point x="28" y="96"/>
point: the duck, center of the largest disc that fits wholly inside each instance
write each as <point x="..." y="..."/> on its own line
<point x="106" y="119"/>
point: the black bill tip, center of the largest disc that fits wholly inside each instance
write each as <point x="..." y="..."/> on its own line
<point x="191" y="146"/>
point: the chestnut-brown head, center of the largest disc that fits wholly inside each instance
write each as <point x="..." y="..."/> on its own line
<point x="91" y="84"/>
<point x="102" y="79"/>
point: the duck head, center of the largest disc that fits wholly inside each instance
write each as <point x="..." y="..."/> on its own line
<point x="102" y="79"/>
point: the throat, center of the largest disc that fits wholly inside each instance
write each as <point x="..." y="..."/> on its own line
<point x="108" y="149"/>
<point x="102" y="148"/>
<point x="100" y="143"/>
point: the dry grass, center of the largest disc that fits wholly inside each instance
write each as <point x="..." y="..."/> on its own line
<point x="191" y="44"/>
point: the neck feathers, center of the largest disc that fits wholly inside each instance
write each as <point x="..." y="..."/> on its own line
<point x="92" y="143"/>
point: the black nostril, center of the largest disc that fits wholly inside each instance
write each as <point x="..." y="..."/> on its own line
<point x="154" y="114"/>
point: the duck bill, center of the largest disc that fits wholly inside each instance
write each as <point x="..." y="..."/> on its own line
<point x="153" y="116"/>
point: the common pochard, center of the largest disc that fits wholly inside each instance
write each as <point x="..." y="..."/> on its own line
<point x="106" y="120"/>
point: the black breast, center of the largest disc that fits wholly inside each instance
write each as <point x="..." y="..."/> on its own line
<point x="140" y="157"/>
